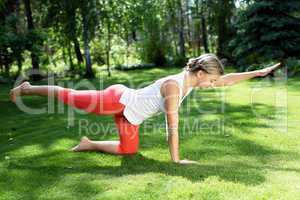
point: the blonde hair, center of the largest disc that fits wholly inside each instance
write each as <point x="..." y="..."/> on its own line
<point x="209" y="63"/>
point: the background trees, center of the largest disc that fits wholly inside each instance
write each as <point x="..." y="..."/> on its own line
<point x="85" y="37"/>
<point x="267" y="30"/>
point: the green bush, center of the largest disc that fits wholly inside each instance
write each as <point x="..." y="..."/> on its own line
<point x="293" y="66"/>
<point x="267" y="30"/>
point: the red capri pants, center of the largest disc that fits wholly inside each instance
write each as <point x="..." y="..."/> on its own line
<point x="105" y="102"/>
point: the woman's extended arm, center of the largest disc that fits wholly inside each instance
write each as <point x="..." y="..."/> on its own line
<point x="170" y="92"/>
<point x="233" y="78"/>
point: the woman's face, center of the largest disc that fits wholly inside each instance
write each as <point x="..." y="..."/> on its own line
<point x="206" y="80"/>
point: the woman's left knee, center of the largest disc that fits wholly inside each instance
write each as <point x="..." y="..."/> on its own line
<point x="128" y="151"/>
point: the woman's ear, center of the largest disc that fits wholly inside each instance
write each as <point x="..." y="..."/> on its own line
<point x="200" y="74"/>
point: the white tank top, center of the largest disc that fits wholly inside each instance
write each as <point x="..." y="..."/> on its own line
<point x="143" y="103"/>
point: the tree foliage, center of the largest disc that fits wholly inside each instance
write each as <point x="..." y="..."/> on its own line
<point x="80" y="36"/>
<point x="268" y="29"/>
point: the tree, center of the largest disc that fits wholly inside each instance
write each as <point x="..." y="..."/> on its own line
<point x="203" y="28"/>
<point x="62" y="17"/>
<point x="89" y="20"/>
<point x="267" y="29"/>
<point x="200" y="19"/>
<point x="152" y="39"/>
<point x="7" y="8"/>
<point x="12" y="38"/>
<point x="181" y="30"/>
<point x="224" y="14"/>
<point x="35" y="43"/>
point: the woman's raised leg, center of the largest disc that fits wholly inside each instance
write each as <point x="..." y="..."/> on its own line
<point x="27" y="89"/>
<point x="103" y="102"/>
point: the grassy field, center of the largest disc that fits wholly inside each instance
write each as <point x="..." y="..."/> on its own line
<point x="246" y="138"/>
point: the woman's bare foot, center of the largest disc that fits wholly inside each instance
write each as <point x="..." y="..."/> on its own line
<point x="17" y="91"/>
<point x="84" y="145"/>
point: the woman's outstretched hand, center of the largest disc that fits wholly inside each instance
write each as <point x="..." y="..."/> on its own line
<point x="187" y="162"/>
<point x="267" y="70"/>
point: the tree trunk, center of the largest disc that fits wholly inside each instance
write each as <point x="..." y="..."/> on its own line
<point x="181" y="31"/>
<point x="222" y="26"/>
<point x="34" y="57"/>
<point x="127" y="45"/>
<point x="133" y="33"/>
<point x="204" y="30"/>
<point x="173" y="20"/>
<point x="204" y="34"/>
<point x="77" y="51"/>
<point x="188" y="25"/>
<point x="64" y="55"/>
<point x="19" y="56"/>
<point x="88" y="63"/>
<point x="72" y="68"/>
<point x="198" y="29"/>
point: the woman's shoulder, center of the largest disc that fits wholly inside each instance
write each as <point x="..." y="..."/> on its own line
<point x="170" y="83"/>
<point x="173" y="82"/>
<point x="173" y="77"/>
<point x="170" y="87"/>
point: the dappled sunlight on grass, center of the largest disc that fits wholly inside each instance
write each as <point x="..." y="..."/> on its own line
<point x="242" y="152"/>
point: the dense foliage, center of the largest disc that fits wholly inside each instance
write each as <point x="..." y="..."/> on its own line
<point x="268" y="29"/>
<point x="82" y="37"/>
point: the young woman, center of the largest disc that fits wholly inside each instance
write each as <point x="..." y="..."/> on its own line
<point x="130" y="107"/>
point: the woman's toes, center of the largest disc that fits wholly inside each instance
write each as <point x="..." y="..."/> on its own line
<point x="17" y="91"/>
<point x="83" y="145"/>
<point x="25" y="85"/>
<point x="75" y="148"/>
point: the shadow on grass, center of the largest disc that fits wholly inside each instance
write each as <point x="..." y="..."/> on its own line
<point x="49" y="127"/>
<point x="45" y="129"/>
<point x="40" y="130"/>
<point x="238" y="172"/>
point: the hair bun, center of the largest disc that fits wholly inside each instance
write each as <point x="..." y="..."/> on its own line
<point x="224" y="61"/>
<point x="191" y="64"/>
<point x="206" y="62"/>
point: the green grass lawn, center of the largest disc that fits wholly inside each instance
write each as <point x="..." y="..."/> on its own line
<point x="246" y="138"/>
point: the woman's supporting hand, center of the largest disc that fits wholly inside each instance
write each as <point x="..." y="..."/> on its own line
<point x="187" y="162"/>
<point x="267" y="70"/>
